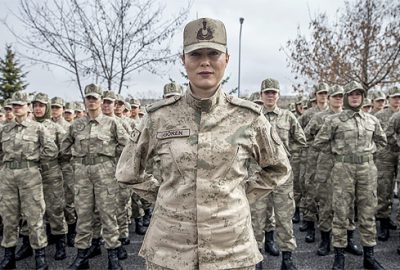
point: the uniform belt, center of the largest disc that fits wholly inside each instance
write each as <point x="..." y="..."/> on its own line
<point x="90" y="160"/>
<point x="13" y="165"/>
<point x="45" y="166"/>
<point x="354" y="159"/>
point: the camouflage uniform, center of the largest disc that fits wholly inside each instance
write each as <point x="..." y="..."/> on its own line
<point x="93" y="145"/>
<point x="23" y="146"/>
<point x="201" y="218"/>
<point x="172" y="89"/>
<point x="352" y="136"/>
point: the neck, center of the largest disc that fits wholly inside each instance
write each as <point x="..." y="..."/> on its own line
<point x="336" y="109"/>
<point x="109" y="114"/>
<point x="321" y="105"/>
<point x="20" y="119"/>
<point x="56" y="118"/>
<point x="269" y="108"/>
<point x="93" y="114"/>
<point x="394" y="109"/>
<point x="203" y="93"/>
<point x="118" y="114"/>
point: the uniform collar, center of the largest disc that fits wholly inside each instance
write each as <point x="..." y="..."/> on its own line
<point x="352" y="113"/>
<point x="99" y="119"/>
<point x="203" y="104"/>
<point x="276" y="110"/>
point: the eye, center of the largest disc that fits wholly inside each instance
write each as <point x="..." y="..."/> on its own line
<point x="214" y="53"/>
<point x="194" y="54"/>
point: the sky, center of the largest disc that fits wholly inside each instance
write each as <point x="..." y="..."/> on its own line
<point x="267" y="26"/>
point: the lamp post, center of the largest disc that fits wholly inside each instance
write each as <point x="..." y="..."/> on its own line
<point x="240" y="51"/>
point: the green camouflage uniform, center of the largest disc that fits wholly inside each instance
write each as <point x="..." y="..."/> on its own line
<point x="23" y="146"/>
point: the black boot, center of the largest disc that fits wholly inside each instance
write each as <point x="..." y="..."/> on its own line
<point x="95" y="248"/>
<point x="383" y="234"/>
<point x="25" y="250"/>
<point x="325" y="245"/>
<point x="270" y="246"/>
<point x="51" y="239"/>
<point x="287" y="261"/>
<point x="338" y="263"/>
<point x="81" y="260"/>
<point x="8" y="261"/>
<point x="259" y="266"/>
<point x="369" y="259"/>
<point x="139" y="228"/>
<point x="60" y="248"/>
<point x="122" y="254"/>
<point x="310" y="236"/>
<point x="147" y="216"/>
<point x="296" y="216"/>
<point x="125" y="241"/>
<point x="71" y="235"/>
<point x="351" y="245"/>
<point x="304" y="226"/>
<point x="40" y="259"/>
<point x="391" y="225"/>
<point x="113" y="262"/>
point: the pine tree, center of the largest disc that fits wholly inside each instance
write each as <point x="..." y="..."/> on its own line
<point x="11" y="75"/>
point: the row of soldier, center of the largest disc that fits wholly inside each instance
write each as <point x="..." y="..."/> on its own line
<point x="324" y="187"/>
<point x="69" y="154"/>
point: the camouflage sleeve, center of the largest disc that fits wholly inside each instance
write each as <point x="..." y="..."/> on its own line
<point x="66" y="143"/>
<point x="312" y="128"/>
<point x="1" y="145"/>
<point x="132" y="163"/>
<point x="121" y="136"/>
<point x="323" y="138"/>
<point x="270" y="155"/>
<point x="379" y="136"/>
<point x="298" y="137"/>
<point x="48" y="147"/>
<point x="392" y="131"/>
<point x="60" y="133"/>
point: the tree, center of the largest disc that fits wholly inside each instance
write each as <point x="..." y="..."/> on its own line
<point x="363" y="45"/>
<point x="104" y="41"/>
<point x="12" y="77"/>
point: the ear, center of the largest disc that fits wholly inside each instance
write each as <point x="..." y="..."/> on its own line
<point x="227" y="57"/>
<point x="183" y="58"/>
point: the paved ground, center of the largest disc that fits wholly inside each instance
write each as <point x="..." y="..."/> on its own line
<point x="305" y="256"/>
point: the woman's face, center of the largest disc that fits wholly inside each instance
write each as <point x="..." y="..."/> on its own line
<point x="205" y="68"/>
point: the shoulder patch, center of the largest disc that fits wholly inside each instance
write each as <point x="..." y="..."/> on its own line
<point x="162" y="103"/>
<point x="135" y="135"/>
<point x="244" y="103"/>
<point x="343" y="117"/>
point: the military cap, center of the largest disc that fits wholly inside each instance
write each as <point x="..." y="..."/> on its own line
<point x="367" y="102"/>
<point x="353" y="86"/>
<point x="394" y="91"/>
<point x="135" y="103"/>
<point x="7" y="103"/>
<point x="69" y="107"/>
<point x="2" y="111"/>
<point x="172" y="89"/>
<point x="378" y="95"/>
<point x="292" y="107"/>
<point x="299" y="100"/>
<point x="270" y="85"/>
<point x="41" y="98"/>
<point x="141" y="112"/>
<point x="93" y="90"/>
<point x="256" y="98"/>
<point x="335" y="90"/>
<point x="127" y="106"/>
<point x="20" y="98"/>
<point x="109" y="95"/>
<point x="321" y="87"/>
<point x="57" y="101"/>
<point x="204" y="33"/>
<point x="79" y="107"/>
<point x="119" y="97"/>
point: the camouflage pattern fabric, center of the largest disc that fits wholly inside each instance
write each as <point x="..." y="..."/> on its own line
<point x="201" y="217"/>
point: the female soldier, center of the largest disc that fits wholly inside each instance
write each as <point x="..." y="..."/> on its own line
<point x="202" y="143"/>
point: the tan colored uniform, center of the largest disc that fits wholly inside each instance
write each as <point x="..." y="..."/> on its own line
<point x="201" y="218"/>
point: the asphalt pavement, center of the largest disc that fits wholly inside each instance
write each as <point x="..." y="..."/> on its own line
<point x="305" y="255"/>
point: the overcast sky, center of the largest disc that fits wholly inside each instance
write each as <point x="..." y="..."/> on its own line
<point x="268" y="24"/>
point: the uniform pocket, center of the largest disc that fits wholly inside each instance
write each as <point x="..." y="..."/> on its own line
<point x="30" y="144"/>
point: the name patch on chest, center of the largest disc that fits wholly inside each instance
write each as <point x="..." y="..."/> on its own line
<point x="173" y="134"/>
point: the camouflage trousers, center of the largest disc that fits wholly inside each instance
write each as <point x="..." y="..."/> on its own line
<point x="302" y="184"/>
<point x="68" y="176"/>
<point x="354" y="184"/>
<point x="295" y="162"/>
<point x="386" y="163"/>
<point x="138" y="205"/>
<point x="21" y="194"/>
<point x="96" y="188"/>
<point x="324" y="193"/>
<point x="277" y="207"/>
<point x="123" y="218"/>
<point x="153" y="266"/>
<point x="310" y="202"/>
<point x="53" y="191"/>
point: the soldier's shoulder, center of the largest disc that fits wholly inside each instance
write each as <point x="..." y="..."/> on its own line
<point x="249" y="105"/>
<point x="162" y="103"/>
<point x="372" y="118"/>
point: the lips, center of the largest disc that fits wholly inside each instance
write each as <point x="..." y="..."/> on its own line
<point x="205" y="73"/>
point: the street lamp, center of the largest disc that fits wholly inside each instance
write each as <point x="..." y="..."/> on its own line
<point x="240" y="51"/>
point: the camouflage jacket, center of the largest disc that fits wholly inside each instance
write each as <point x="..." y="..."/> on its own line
<point x="393" y="132"/>
<point x="26" y="141"/>
<point x="308" y="114"/>
<point x="315" y="124"/>
<point x="102" y="136"/>
<point x="351" y="133"/>
<point x="288" y="128"/>
<point x="203" y="147"/>
<point x="62" y="122"/>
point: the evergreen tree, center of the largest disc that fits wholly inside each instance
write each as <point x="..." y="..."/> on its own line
<point x="11" y="75"/>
